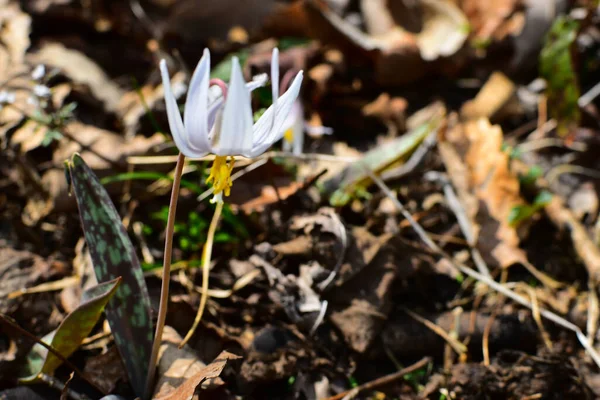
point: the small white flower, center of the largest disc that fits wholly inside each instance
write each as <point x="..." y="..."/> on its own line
<point x="318" y="131"/>
<point x="7" y="97"/>
<point x="224" y="126"/>
<point x="39" y="72"/>
<point x="41" y="91"/>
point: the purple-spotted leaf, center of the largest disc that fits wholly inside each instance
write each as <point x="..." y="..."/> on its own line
<point x="71" y="332"/>
<point x="113" y="255"/>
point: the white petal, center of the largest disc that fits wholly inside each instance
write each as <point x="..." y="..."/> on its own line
<point x="257" y="81"/>
<point x="196" y="106"/>
<point x="235" y="136"/>
<point x="275" y="79"/>
<point x="175" y="122"/>
<point x="213" y="112"/>
<point x="264" y="134"/>
<point x="217" y="100"/>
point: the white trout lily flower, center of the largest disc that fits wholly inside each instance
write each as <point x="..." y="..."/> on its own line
<point x="224" y="126"/>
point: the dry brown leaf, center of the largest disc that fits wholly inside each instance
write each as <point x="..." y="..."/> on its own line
<point x="175" y="365"/>
<point x="492" y="97"/>
<point x="296" y="246"/>
<point x="30" y="135"/>
<point x="181" y="372"/>
<point x="586" y="249"/>
<point x="489" y="19"/>
<point x="444" y="29"/>
<point x="107" y="369"/>
<point x="16" y="26"/>
<point x="100" y="147"/>
<point x="270" y="195"/>
<point x="102" y="151"/>
<point x="14" y="42"/>
<point x="390" y="110"/>
<point x="41" y="6"/>
<point x="495" y="185"/>
<point x="389" y="46"/>
<point x="488" y="189"/>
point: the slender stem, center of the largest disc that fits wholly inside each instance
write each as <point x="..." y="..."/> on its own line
<point x="166" y="276"/>
<point x="206" y="256"/>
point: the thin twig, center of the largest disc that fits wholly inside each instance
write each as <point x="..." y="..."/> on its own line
<point x="271" y="154"/>
<point x="384" y="380"/>
<point x="485" y="342"/>
<point x="62" y="387"/>
<point x="166" y="276"/>
<point x="5" y="320"/>
<point x="206" y="256"/>
<point x="463" y="220"/>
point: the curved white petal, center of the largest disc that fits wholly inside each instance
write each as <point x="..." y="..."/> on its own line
<point x="256" y="82"/>
<point x="196" y="106"/>
<point x="213" y="112"/>
<point x="264" y="133"/>
<point x="175" y="121"/>
<point x="275" y="79"/>
<point x="235" y="135"/>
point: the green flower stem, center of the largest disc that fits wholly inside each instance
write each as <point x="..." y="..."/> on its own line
<point x="166" y="276"/>
<point x="206" y="256"/>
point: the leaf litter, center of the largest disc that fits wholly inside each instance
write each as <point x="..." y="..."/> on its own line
<point x="319" y="286"/>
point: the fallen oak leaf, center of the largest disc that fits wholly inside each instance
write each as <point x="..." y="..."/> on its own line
<point x="488" y="189"/>
<point x="186" y="390"/>
<point x="175" y="365"/>
<point x="270" y="195"/>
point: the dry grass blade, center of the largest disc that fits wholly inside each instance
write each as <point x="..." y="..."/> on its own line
<point x="46" y="287"/>
<point x="384" y="380"/>
<point x="456" y="345"/>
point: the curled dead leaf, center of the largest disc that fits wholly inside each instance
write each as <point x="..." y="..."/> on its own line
<point x="181" y="372"/>
<point x="487" y="187"/>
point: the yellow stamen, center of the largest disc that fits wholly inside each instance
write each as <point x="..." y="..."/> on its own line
<point x="289" y="135"/>
<point x="220" y="175"/>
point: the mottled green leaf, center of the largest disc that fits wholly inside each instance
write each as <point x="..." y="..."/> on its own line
<point x="113" y="255"/>
<point x="71" y="332"/>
